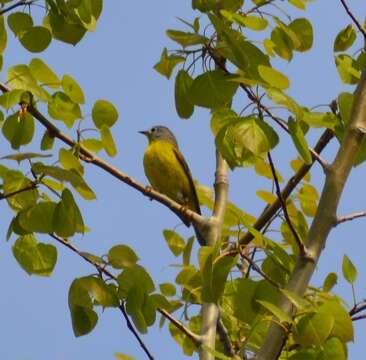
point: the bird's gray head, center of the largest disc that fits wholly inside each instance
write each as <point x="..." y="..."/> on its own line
<point x="160" y="132"/>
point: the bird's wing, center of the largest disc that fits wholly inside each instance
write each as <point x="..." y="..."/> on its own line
<point x="182" y="161"/>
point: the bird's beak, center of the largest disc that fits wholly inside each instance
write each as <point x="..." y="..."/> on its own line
<point x="145" y="132"/>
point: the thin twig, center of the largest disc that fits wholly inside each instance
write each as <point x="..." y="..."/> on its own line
<point x="349" y="217"/>
<point x="356" y="22"/>
<point x="32" y="186"/>
<point x="19" y="3"/>
<point x="360" y="317"/>
<point x="257" y="7"/>
<point x="299" y="242"/>
<point x="271" y="210"/>
<point x="358" y="308"/>
<point x="134" y="332"/>
<point x="102" y="269"/>
<point x="257" y="269"/>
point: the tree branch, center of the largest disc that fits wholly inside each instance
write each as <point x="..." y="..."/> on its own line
<point x="349" y="217"/>
<point x="354" y="19"/>
<point x="210" y="311"/>
<point x="324" y="219"/>
<point x="89" y="157"/>
<point x="300" y="244"/>
<point x="358" y="308"/>
<point x="226" y="341"/>
<point x="271" y="210"/>
<point x="179" y="325"/>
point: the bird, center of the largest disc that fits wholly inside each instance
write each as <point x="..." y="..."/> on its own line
<point x="168" y="172"/>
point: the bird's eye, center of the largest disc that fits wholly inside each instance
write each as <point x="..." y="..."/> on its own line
<point x="153" y="129"/>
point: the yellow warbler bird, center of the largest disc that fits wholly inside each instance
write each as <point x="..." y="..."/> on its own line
<point x="168" y="172"/>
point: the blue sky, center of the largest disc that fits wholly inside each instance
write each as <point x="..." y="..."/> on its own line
<point x="116" y="63"/>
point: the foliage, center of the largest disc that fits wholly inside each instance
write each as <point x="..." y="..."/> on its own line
<point x="44" y="196"/>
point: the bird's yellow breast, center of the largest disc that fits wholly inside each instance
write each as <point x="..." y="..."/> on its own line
<point x="166" y="174"/>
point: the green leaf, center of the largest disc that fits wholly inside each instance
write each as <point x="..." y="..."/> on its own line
<point x="11" y="98"/>
<point x="38" y="218"/>
<point x="333" y="349"/>
<point x="343" y="327"/>
<point x="347" y="69"/>
<point x="298" y="301"/>
<point x="168" y="289"/>
<point x="276" y="311"/>
<point x="282" y="44"/>
<point x="19" y="22"/>
<point x="308" y="196"/>
<point x="186" y="38"/>
<point x="273" y="77"/>
<point x="69" y="161"/>
<point x="19" y="157"/>
<point x="104" y="113"/>
<point x="120" y="356"/>
<point x="83" y="317"/>
<point x="175" y="242"/>
<point x="108" y="141"/>
<point x="47" y="141"/>
<point x="241" y="141"/>
<point x="330" y="281"/>
<point x="18" y="129"/>
<point x="67" y="218"/>
<point x="212" y="89"/>
<point x="300" y="5"/>
<point x="183" y="83"/>
<point x="131" y="276"/>
<point x="313" y="329"/>
<point x="320" y="120"/>
<point x="167" y="63"/>
<point x="70" y="176"/>
<point x="345" y="103"/>
<point x="3" y="35"/>
<point x="252" y="22"/>
<point x="64" y="30"/>
<point x="91" y="144"/>
<point x="204" y="5"/>
<point x="122" y="256"/>
<point x="246" y="56"/>
<point x="35" y="257"/>
<point x="187" y="251"/>
<point x="72" y="89"/>
<point x="278" y="97"/>
<point x="266" y="196"/>
<point x="345" y="39"/>
<point x="221" y="270"/>
<point x="349" y="270"/>
<point x="61" y="107"/>
<point x="36" y="39"/>
<point x="222" y="117"/>
<point x="134" y="303"/>
<point x="43" y="73"/>
<point x="14" y="181"/>
<point x="299" y="140"/>
<point x="304" y="33"/>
